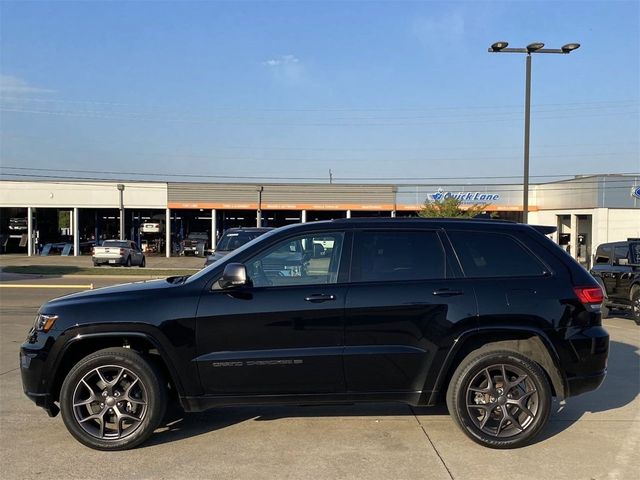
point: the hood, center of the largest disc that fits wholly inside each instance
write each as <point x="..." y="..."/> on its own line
<point x="125" y="288"/>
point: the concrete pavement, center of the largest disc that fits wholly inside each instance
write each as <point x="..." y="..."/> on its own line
<point x="596" y="436"/>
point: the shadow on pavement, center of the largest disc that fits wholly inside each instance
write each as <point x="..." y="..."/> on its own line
<point x="621" y="387"/>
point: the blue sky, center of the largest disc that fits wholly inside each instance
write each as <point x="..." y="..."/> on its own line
<point x="293" y="89"/>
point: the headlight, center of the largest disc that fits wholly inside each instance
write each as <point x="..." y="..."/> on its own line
<point x="44" y="323"/>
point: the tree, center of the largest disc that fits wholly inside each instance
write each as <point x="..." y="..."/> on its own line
<point x="450" y="208"/>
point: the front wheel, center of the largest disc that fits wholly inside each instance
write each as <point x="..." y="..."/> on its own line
<point x="499" y="398"/>
<point x="113" y="399"/>
<point x="143" y="262"/>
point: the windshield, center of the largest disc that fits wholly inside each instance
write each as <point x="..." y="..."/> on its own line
<point x="230" y="257"/>
<point x="232" y="240"/>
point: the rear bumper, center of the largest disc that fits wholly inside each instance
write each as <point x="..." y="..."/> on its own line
<point x="108" y="261"/>
<point x="587" y="368"/>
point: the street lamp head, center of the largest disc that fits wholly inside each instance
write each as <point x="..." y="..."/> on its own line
<point x="532" y="47"/>
<point x="496" y="47"/>
<point x="570" y="47"/>
<point x="120" y="186"/>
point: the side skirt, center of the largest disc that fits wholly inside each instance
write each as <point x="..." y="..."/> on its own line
<point x="205" y="402"/>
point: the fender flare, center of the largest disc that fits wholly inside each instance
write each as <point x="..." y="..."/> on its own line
<point x="79" y="337"/>
<point x="554" y="371"/>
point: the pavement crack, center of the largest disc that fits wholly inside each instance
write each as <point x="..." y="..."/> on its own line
<point x="431" y="443"/>
<point x="9" y="371"/>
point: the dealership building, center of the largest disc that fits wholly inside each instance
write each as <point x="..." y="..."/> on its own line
<point x="587" y="210"/>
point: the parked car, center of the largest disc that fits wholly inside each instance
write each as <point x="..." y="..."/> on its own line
<point x="118" y="252"/>
<point x="234" y="238"/>
<point x="18" y="224"/>
<point x="616" y="266"/>
<point x="492" y="316"/>
<point x="195" y="244"/>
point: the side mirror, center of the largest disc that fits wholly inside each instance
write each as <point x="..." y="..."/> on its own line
<point x="234" y="275"/>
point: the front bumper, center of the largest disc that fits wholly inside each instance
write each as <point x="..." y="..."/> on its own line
<point x="33" y="368"/>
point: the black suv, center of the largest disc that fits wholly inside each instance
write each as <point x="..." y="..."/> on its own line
<point x="616" y="266"/>
<point x="491" y="315"/>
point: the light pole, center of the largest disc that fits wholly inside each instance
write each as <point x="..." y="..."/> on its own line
<point x="121" y="190"/>
<point x="502" y="47"/>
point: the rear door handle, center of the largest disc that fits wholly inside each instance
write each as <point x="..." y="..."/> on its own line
<point x="445" y="292"/>
<point x="319" y="297"/>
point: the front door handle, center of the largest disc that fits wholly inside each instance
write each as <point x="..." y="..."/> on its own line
<point x="319" y="297"/>
<point x="445" y="292"/>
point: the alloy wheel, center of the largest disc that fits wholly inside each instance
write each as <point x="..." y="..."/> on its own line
<point x="502" y="400"/>
<point x="110" y="402"/>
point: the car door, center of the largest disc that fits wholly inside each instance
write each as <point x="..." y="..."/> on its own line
<point x="602" y="269"/>
<point x="402" y="302"/>
<point x="284" y="334"/>
<point x="622" y="273"/>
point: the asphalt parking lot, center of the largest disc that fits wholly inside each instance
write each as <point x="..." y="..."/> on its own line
<point x="595" y="436"/>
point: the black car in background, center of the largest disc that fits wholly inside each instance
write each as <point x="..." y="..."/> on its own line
<point x="616" y="266"/>
<point x="491" y="316"/>
<point x="232" y="239"/>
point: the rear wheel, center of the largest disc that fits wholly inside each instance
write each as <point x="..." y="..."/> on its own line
<point x="113" y="399"/>
<point x="128" y="263"/>
<point x="635" y="303"/>
<point x="143" y="262"/>
<point x="499" y="398"/>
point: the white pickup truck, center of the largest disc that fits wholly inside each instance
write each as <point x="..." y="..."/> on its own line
<point x="118" y="252"/>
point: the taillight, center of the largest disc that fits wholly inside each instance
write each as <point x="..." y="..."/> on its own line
<point x="589" y="294"/>
<point x="122" y="251"/>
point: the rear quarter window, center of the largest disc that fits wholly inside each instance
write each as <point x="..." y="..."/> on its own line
<point x="488" y="254"/>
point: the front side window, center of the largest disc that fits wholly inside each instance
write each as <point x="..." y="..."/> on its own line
<point x="312" y="259"/>
<point x="484" y="254"/>
<point x="620" y="252"/>
<point x="397" y="255"/>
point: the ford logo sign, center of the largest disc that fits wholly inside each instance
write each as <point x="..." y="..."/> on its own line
<point x="635" y="191"/>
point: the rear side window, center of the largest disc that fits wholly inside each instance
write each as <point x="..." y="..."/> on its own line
<point x="397" y="255"/>
<point x="603" y="254"/>
<point x="484" y="254"/>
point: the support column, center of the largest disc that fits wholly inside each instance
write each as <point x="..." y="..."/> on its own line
<point x="258" y="218"/>
<point x="393" y="214"/>
<point x="348" y="213"/>
<point x="303" y="216"/>
<point x="167" y="232"/>
<point x="214" y="228"/>
<point x="30" y="231"/>
<point x="76" y="232"/>
<point x="574" y="235"/>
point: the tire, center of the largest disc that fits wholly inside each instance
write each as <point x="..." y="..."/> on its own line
<point x="635" y="304"/>
<point x="91" y="410"/>
<point x="480" y="407"/>
<point x="128" y="263"/>
<point x="96" y="264"/>
<point x="143" y="262"/>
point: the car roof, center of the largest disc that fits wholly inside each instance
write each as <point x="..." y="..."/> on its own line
<point x="413" y="222"/>
<point x="249" y="229"/>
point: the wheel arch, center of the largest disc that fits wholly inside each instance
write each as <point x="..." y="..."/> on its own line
<point x="82" y="345"/>
<point x="530" y="342"/>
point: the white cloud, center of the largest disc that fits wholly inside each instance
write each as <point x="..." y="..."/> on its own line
<point x="10" y="85"/>
<point x="286" y="69"/>
<point x="282" y="60"/>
